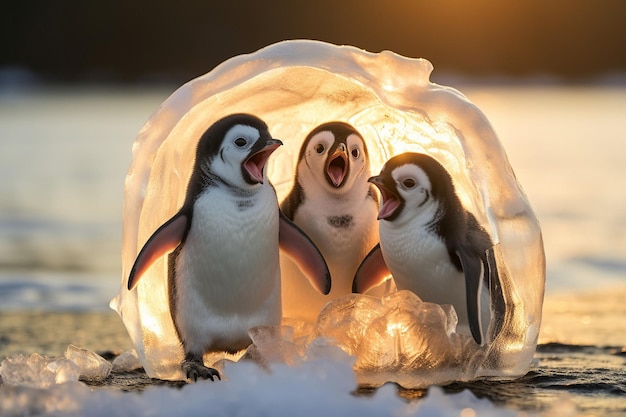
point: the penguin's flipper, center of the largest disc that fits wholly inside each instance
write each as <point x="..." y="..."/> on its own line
<point x="301" y="249"/>
<point x="165" y="239"/>
<point x="474" y="271"/>
<point x="498" y="303"/>
<point x="372" y="271"/>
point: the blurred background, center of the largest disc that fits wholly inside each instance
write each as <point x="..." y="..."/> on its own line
<point x="73" y="41"/>
<point x="78" y="79"/>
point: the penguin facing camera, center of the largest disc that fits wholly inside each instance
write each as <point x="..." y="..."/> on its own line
<point x="223" y="245"/>
<point x="332" y="202"/>
<point x="433" y="246"/>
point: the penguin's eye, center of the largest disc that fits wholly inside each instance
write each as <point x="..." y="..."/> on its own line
<point x="409" y="183"/>
<point x="319" y="148"/>
<point x="355" y="153"/>
<point x="240" y="142"/>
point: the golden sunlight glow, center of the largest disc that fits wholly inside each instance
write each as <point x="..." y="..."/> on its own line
<point x="153" y="325"/>
<point x="394" y="327"/>
<point x="388" y="86"/>
<point x="468" y="412"/>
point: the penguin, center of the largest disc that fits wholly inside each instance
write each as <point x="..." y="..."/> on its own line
<point x="332" y="202"/>
<point x="223" y="245"/>
<point x="433" y="246"/>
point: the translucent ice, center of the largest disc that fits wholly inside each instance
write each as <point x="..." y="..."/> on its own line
<point x="295" y="86"/>
<point x="126" y="361"/>
<point x="38" y="371"/>
<point x="93" y="367"/>
<point x="397" y="339"/>
<point x="275" y="345"/>
<point x="405" y="340"/>
<point x="32" y="371"/>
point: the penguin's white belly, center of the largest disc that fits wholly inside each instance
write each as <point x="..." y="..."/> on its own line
<point x="419" y="262"/>
<point x="228" y="276"/>
<point x="344" y="240"/>
<point x="343" y="244"/>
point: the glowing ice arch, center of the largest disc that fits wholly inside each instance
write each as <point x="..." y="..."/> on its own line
<point x="294" y="86"/>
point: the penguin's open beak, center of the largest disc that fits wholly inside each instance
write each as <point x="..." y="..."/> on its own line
<point x="255" y="163"/>
<point x="390" y="198"/>
<point x="337" y="165"/>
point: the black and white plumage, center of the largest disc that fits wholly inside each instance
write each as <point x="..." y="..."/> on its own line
<point x="224" y="273"/>
<point x="433" y="246"/>
<point x="334" y="204"/>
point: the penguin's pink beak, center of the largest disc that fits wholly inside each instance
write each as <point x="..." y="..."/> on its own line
<point x="255" y="164"/>
<point x="337" y="166"/>
<point x="390" y="200"/>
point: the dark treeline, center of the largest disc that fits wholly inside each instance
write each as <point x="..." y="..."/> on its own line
<point x="142" y="40"/>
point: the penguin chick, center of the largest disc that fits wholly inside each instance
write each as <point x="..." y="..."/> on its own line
<point x="336" y="207"/>
<point x="224" y="272"/>
<point x="432" y="245"/>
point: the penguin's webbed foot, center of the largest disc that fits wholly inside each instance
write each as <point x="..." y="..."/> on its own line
<point x="194" y="370"/>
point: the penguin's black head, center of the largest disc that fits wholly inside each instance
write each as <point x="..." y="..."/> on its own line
<point x="211" y="140"/>
<point x="234" y="150"/>
<point x="410" y="181"/>
<point x="335" y="149"/>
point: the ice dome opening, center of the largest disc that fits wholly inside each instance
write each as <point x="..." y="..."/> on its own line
<point x="294" y="86"/>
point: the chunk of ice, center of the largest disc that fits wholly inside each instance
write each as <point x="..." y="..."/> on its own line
<point x="38" y="371"/>
<point x="31" y="371"/>
<point x="93" y="367"/>
<point x="399" y="339"/>
<point x="65" y="370"/>
<point x="274" y="345"/>
<point x="126" y="361"/>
